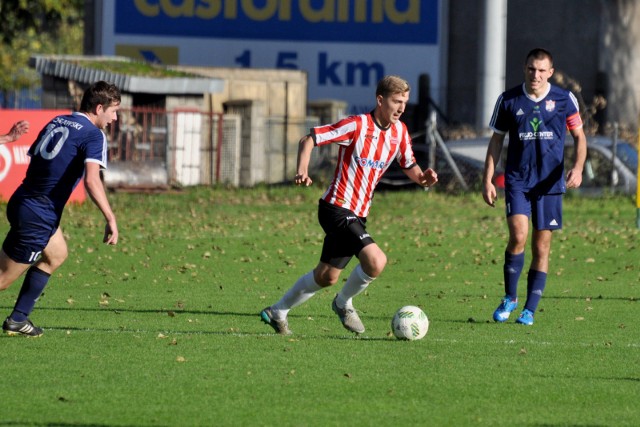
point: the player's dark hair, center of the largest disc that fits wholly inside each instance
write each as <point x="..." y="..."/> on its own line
<point x="539" y="53"/>
<point x="389" y="85"/>
<point x="99" y="93"/>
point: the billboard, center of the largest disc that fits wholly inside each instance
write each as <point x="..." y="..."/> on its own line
<point x="345" y="46"/>
<point x="14" y="160"/>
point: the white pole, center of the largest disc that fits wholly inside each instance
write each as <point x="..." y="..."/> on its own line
<point x="493" y="57"/>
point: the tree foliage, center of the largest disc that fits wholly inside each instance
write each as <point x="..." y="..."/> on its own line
<point x="35" y="27"/>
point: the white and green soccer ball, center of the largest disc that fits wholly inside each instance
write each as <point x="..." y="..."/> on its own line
<point x="410" y="323"/>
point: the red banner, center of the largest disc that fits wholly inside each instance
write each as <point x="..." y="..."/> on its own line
<point x="13" y="156"/>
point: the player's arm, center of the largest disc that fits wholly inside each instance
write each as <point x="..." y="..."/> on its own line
<point x="17" y="130"/>
<point x="424" y="178"/>
<point x="95" y="188"/>
<point x="305" y="148"/>
<point x="574" y="176"/>
<point x="494" y="149"/>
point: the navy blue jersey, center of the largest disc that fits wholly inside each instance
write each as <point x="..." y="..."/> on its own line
<point x="537" y="129"/>
<point x="58" y="157"/>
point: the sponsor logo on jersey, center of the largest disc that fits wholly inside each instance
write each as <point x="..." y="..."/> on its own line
<point x="527" y="136"/>
<point x="535" y="124"/>
<point x="370" y="163"/>
<point x="537" y="133"/>
<point x="364" y="236"/>
<point x="520" y="112"/>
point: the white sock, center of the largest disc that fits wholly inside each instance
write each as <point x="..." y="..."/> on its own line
<point x="302" y="291"/>
<point x="356" y="283"/>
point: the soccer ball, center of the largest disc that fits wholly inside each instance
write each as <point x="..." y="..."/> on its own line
<point x="410" y="323"/>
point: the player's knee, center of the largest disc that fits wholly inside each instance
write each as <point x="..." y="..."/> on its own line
<point x="326" y="278"/>
<point x="375" y="265"/>
<point x="54" y="262"/>
<point x="517" y="242"/>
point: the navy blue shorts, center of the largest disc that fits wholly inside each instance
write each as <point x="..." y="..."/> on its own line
<point x="544" y="210"/>
<point x="33" y="221"/>
<point x="346" y="234"/>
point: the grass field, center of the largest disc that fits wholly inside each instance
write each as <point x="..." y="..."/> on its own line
<point x="163" y="329"/>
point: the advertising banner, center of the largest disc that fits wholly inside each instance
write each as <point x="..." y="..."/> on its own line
<point x="13" y="156"/>
<point x="345" y="46"/>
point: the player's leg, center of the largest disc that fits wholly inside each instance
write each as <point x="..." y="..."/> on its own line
<point x="20" y="247"/>
<point x="518" y="209"/>
<point x="303" y="289"/>
<point x="37" y="277"/>
<point x="10" y="270"/>
<point x="372" y="263"/>
<point x="546" y="217"/>
<point x="514" y="253"/>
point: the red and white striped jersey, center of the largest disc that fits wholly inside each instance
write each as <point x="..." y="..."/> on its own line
<point x="366" y="152"/>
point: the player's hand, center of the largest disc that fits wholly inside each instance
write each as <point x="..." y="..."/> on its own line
<point x="428" y="178"/>
<point x="489" y="194"/>
<point x="303" y="179"/>
<point x="574" y="178"/>
<point x="18" y="129"/>
<point x="110" y="234"/>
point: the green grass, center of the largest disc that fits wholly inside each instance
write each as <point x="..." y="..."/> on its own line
<point x="163" y="329"/>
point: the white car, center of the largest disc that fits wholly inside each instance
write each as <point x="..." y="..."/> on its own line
<point x="600" y="173"/>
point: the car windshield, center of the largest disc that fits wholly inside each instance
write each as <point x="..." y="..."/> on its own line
<point x="628" y="155"/>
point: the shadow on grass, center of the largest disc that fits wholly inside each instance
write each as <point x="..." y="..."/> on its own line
<point x="572" y="377"/>
<point x="56" y="424"/>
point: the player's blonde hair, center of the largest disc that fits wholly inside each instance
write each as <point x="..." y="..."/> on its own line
<point x="389" y="85"/>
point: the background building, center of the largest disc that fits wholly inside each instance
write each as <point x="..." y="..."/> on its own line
<point x="345" y="46"/>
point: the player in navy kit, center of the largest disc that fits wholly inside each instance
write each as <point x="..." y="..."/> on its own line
<point x="536" y="116"/>
<point x="68" y="147"/>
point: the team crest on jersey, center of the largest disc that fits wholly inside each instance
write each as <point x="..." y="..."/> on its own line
<point x="550" y="105"/>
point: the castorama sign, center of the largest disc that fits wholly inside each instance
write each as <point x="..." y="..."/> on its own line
<point x="345" y="46"/>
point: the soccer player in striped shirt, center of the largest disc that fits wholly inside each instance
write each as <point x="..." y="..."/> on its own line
<point x="67" y="148"/>
<point x="536" y="116"/>
<point x="368" y="144"/>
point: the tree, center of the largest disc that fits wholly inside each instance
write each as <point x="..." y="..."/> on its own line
<point x="35" y="27"/>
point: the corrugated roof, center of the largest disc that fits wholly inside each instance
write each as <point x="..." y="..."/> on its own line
<point x="69" y="67"/>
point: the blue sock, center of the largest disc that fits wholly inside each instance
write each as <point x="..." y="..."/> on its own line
<point x="34" y="283"/>
<point x="512" y="269"/>
<point x="536" y="281"/>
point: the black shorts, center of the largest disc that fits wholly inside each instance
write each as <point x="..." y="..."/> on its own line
<point x="346" y="234"/>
